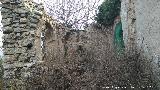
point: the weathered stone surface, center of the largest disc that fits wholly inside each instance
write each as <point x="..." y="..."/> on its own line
<point x="6" y="23"/>
<point x="4" y="10"/>
<point x="33" y="25"/>
<point x="9" y="51"/>
<point x="23" y="20"/>
<point x="7" y="30"/>
<point x="24" y="57"/>
<point x="39" y="13"/>
<point x="8" y="74"/>
<point x="33" y="20"/>
<point x="21" y="50"/>
<point x="32" y="33"/>
<point x="20" y="29"/>
<point x="27" y="43"/>
<point x="9" y="46"/>
<point x="10" y="59"/>
<point x="142" y="17"/>
<point x="23" y="26"/>
<point x="18" y="41"/>
<point x="35" y="16"/>
<point x="8" y="66"/>
<point x="8" y="41"/>
<point x="21" y="11"/>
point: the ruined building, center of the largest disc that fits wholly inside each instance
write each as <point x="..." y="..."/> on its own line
<point x="23" y="24"/>
<point x="41" y="54"/>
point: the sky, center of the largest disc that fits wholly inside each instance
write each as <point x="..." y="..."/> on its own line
<point x="81" y="16"/>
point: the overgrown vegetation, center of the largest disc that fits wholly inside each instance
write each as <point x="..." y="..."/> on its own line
<point x="108" y="11"/>
<point x="92" y="67"/>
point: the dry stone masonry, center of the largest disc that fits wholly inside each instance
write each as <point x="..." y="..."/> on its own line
<point x="19" y="27"/>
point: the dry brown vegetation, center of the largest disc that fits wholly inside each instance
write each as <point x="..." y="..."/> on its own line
<point x="91" y="64"/>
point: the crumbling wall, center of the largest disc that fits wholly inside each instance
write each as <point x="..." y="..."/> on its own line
<point x="19" y="27"/>
<point x="75" y="59"/>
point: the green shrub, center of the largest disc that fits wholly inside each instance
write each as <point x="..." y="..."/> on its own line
<point x="107" y="12"/>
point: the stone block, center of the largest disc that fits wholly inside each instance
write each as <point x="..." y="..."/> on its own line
<point x="18" y="35"/>
<point x="9" y="51"/>
<point x="4" y="10"/>
<point x="23" y="57"/>
<point x="24" y="30"/>
<point x="10" y="59"/>
<point x="33" y="25"/>
<point x="8" y="66"/>
<point x="28" y="65"/>
<point x="8" y="74"/>
<point x="32" y="53"/>
<point x="6" y="23"/>
<point x="8" y="45"/>
<point x="33" y="20"/>
<point x="17" y="30"/>
<point x="16" y="24"/>
<point x="38" y="13"/>
<point x="19" y="64"/>
<point x="21" y="50"/>
<point x="28" y="43"/>
<point x="23" y="15"/>
<point x="22" y="11"/>
<point x="23" y="20"/>
<point x="32" y="33"/>
<point x="15" y="2"/>
<point x="33" y="59"/>
<point x="8" y="36"/>
<point x="15" y="21"/>
<point x="6" y="1"/>
<point x="9" y="41"/>
<point x="7" y="30"/>
<point x="23" y="26"/>
<point x="7" y="20"/>
<point x="36" y="16"/>
<point x="25" y="34"/>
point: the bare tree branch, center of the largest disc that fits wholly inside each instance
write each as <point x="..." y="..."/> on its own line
<point x="72" y="13"/>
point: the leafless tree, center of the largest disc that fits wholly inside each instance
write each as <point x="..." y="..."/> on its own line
<point x="75" y="14"/>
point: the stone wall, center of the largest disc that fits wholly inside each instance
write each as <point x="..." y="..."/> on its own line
<point x="128" y="24"/>
<point x="19" y="27"/>
<point x="145" y="31"/>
